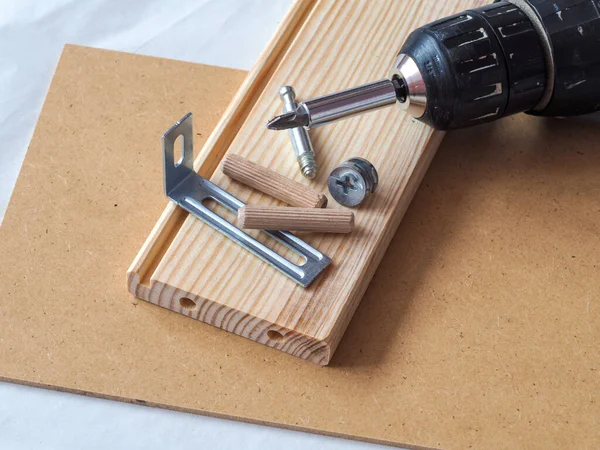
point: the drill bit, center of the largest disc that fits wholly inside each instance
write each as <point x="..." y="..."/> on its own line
<point x="327" y="109"/>
<point x="288" y="120"/>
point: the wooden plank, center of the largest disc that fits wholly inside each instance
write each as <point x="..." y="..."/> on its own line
<point x="341" y="44"/>
<point x="217" y="144"/>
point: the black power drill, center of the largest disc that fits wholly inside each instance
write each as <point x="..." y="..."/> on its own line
<point x="536" y="56"/>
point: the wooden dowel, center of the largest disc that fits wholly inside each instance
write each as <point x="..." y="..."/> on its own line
<point x="296" y="219"/>
<point x="272" y="183"/>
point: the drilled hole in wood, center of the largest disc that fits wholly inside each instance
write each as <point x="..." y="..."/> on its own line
<point x="274" y="335"/>
<point x="187" y="303"/>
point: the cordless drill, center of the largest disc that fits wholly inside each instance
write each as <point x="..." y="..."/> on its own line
<point x="536" y="56"/>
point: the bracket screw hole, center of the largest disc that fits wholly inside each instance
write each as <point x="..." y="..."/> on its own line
<point x="178" y="149"/>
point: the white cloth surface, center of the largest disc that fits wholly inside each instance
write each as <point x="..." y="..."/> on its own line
<point x="229" y="33"/>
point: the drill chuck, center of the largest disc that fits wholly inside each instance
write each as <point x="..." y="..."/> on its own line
<point x="512" y="56"/>
<point x="535" y="56"/>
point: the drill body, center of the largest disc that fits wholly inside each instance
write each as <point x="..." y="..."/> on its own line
<point x="536" y="56"/>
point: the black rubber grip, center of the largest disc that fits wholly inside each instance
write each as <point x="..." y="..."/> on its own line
<point x="573" y="27"/>
<point x="478" y="66"/>
<point x="490" y="62"/>
<point x="523" y="55"/>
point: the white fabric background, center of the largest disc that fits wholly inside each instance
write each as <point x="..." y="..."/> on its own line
<point x="228" y="33"/>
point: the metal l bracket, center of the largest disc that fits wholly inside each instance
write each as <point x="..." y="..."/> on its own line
<point x="189" y="190"/>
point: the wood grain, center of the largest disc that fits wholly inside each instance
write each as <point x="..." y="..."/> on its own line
<point x="171" y="220"/>
<point x="296" y="219"/>
<point x="481" y="318"/>
<point x="271" y="183"/>
<point x="339" y="45"/>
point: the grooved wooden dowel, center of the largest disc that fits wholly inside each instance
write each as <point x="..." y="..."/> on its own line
<point x="296" y="219"/>
<point x="272" y="183"/>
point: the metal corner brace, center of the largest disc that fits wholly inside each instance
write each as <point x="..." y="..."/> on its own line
<point x="189" y="190"/>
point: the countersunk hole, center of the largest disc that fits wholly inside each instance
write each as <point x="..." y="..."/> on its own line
<point x="187" y="303"/>
<point x="274" y="335"/>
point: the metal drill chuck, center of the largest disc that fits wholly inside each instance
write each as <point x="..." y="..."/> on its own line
<point x="512" y="56"/>
<point x="535" y="56"/>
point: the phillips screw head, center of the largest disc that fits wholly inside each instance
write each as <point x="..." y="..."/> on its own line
<point x="352" y="181"/>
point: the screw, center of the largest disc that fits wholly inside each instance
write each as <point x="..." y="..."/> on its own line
<point x="303" y="149"/>
<point x="352" y="181"/>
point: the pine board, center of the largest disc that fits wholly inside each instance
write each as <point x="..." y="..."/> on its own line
<point x="338" y="45"/>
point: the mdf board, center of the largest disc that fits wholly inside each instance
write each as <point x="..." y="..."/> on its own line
<point x="480" y="328"/>
<point x="338" y="45"/>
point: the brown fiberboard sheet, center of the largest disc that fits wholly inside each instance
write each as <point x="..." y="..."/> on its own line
<point x="480" y="328"/>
